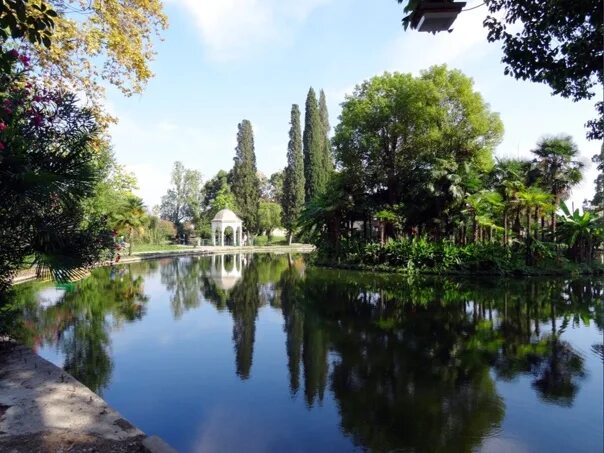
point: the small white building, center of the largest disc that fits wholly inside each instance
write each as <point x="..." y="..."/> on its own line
<point x="221" y="223"/>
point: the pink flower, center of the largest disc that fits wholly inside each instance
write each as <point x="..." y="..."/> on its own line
<point x="13" y="53"/>
<point x="2" y="146"/>
<point x="2" y="126"/>
<point x="24" y="59"/>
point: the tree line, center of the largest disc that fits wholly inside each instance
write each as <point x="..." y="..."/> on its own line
<point x="262" y="203"/>
<point x="415" y="159"/>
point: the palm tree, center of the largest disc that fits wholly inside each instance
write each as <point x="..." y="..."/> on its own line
<point x="509" y="179"/>
<point x="534" y="200"/>
<point x="130" y="217"/>
<point x="556" y="169"/>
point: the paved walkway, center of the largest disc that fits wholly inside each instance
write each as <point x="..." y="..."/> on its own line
<point x="43" y="408"/>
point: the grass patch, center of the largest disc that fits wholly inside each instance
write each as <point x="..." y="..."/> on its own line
<point x="144" y="248"/>
<point x="275" y="240"/>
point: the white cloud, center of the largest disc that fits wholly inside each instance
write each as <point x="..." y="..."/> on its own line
<point x="231" y="29"/>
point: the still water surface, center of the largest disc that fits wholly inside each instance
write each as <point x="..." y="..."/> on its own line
<point x="259" y="353"/>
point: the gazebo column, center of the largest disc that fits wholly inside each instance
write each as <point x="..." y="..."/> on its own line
<point x="222" y="236"/>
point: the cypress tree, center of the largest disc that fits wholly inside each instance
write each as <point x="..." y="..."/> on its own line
<point x="293" y="184"/>
<point x="327" y="152"/>
<point x="246" y="185"/>
<point x="314" y="171"/>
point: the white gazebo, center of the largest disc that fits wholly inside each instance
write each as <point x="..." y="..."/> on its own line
<point x="223" y="220"/>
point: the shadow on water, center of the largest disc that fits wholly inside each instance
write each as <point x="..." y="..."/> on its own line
<point x="411" y="362"/>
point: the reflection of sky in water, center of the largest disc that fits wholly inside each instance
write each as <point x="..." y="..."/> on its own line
<point x="47" y="297"/>
<point x="177" y="378"/>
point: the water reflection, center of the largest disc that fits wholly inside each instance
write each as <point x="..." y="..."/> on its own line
<point x="412" y="364"/>
<point x="78" y="321"/>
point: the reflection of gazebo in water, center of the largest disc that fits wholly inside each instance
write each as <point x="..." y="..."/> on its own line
<point x="225" y="270"/>
<point x="222" y="222"/>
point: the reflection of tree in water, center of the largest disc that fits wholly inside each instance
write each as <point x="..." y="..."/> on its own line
<point x="306" y="339"/>
<point x="78" y="324"/>
<point x="412" y="359"/>
<point x="243" y="304"/>
<point x="186" y="279"/>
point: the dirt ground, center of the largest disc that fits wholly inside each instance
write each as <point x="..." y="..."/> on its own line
<point x="56" y="442"/>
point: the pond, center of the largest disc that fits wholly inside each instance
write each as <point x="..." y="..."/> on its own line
<point x="261" y="353"/>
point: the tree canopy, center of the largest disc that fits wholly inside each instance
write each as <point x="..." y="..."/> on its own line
<point x="413" y="145"/>
<point x="183" y="200"/>
<point x="245" y="183"/>
<point x="556" y="42"/>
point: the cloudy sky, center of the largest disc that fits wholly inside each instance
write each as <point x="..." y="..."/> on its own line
<point x="225" y="60"/>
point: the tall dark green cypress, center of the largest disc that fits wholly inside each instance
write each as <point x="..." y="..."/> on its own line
<point x="293" y="184"/>
<point x="246" y="185"/>
<point x="314" y="171"/>
<point x="327" y="152"/>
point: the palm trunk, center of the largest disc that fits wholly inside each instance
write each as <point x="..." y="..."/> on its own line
<point x="505" y="228"/>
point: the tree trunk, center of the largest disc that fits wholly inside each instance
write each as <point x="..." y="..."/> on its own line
<point x="505" y="228"/>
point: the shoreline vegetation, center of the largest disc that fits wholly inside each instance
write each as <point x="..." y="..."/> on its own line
<point x="421" y="256"/>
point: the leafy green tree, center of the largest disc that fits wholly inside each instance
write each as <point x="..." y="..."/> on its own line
<point x="245" y="183"/>
<point x="160" y="230"/>
<point x="556" y="42"/>
<point x="293" y="182"/>
<point x="271" y="189"/>
<point x="183" y="200"/>
<point x="115" y="185"/>
<point x="324" y="115"/>
<point x="416" y="143"/>
<point x="315" y="173"/>
<point x="269" y="217"/>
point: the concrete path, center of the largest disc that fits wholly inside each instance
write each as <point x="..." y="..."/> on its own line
<point x="42" y="408"/>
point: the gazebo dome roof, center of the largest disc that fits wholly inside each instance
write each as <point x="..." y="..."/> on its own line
<point x="226" y="215"/>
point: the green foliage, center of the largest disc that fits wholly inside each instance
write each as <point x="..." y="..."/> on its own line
<point x="269" y="217"/>
<point x="130" y="218"/>
<point x="48" y="167"/>
<point x="293" y="181"/>
<point x="415" y="142"/>
<point x="327" y="152"/>
<point x="558" y="42"/>
<point x="555" y="165"/>
<point x="582" y="232"/>
<point x="424" y="255"/>
<point x="244" y="182"/>
<point x="316" y="174"/>
<point x="32" y="20"/>
<point x="183" y="200"/>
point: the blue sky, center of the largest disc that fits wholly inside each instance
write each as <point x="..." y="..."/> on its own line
<point x="225" y="60"/>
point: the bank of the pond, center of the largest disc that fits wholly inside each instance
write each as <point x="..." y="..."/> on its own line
<point x="44" y="409"/>
<point x="565" y="270"/>
<point x="30" y="274"/>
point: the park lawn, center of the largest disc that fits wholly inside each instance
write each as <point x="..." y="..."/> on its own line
<point x="275" y="240"/>
<point x="145" y="248"/>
